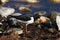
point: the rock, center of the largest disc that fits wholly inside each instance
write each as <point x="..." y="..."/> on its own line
<point x="0" y="32"/>
<point x="3" y="1"/>
<point x="58" y="39"/>
<point x="1" y="24"/>
<point x="4" y="11"/>
<point x="51" y="30"/>
<point x="30" y="1"/>
<point x="58" y="21"/>
<point x="24" y="9"/>
<point x="14" y="36"/>
<point x="54" y="1"/>
<point x="19" y="31"/>
<point x="40" y="13"/>
<point x="16" y="14"/>
<point x="43" y="19"/>
<point x="53" y="15"/>
<point x="4" y="38"/>
<point x="37" y="22"/>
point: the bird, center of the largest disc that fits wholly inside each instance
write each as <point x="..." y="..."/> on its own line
<point x="26" y="19"/>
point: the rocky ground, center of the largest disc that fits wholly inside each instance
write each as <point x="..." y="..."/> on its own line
<point x="33" y="33"/>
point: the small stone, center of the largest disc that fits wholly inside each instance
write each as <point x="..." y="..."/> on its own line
<point x="3" y="1"/>
<point x="54" y="1"/>
<point x="43" y="19"/>
<point x="24" y="9"/>
<point x="40" y="13"/>
<point x="30" y="1"/>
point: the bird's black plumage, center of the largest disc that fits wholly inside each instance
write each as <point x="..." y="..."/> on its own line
<point x="23" y="17"/>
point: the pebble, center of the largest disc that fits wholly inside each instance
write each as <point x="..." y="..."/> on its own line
<point x="54" y="1"/>
<point x="24" y="9"/>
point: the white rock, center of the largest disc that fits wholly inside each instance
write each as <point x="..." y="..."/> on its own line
<point x="4" y="1"/>
<point x="16" y="14"/>
<point x="55" y="1"/>
<point x="16" y="30"/>
<point x="58" y="22"/>
<point x="22" y="8"/>
<point x="4" y="11"/>
<point x="19" y="31"/>
<point x="0" y="31"/>
<point x="30" y="1"/>
<point x="1" y="23"/>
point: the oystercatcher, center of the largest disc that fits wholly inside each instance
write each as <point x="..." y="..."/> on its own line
<point x="26" y="19"/>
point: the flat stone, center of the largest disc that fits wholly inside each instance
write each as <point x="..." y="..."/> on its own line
<point x="54" y="1"/>
<point x="4" y="11"/>
<point x="16" y="14"/>
<point x="24" y="9"/>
